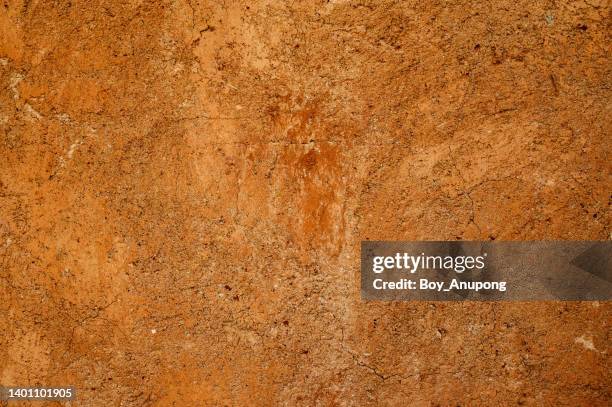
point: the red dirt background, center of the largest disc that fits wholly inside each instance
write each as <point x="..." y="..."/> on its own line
<point x="184" y="186"/>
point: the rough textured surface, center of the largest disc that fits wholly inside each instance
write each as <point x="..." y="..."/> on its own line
<point x="184" y="186"/>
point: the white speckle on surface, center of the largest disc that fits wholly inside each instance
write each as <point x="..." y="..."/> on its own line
<point x="153" y="331"/>
<point x="586" y="342"/>
<point x="550" y="19"/>
<point x="73" y="147"/>
<point x="13" y="82"/>
<point x="178" y="68"/>
<point x="63" y="117"/>
<point x="28" y="108"/>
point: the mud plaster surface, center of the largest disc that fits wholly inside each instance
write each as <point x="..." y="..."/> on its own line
<point x="184" y="186"/>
